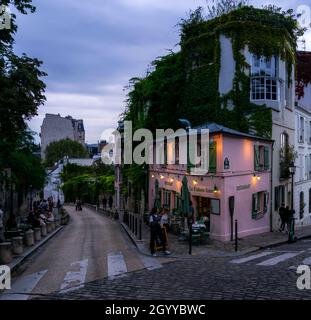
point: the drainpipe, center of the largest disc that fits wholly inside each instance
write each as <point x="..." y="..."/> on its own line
<point x="271" y="184"/>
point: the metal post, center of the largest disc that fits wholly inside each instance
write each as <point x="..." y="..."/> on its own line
<point x="135" y="226"/>
<point x="190" y="239"/>
<point x="140" y="229"/>
<point x="291" y="233"/>
<point x="236" y="235"/>
<point x="231" y="228"/>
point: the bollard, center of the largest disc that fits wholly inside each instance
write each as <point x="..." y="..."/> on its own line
<point x="236" y="235"/>
<point x="43" y="231"/>
<point x="5" y="253"/>
<point x="136" y="230"/>
<point x="17" y="245"/>
<point x="48" y="227"/>
<point x="140" y="229"/>
<point x="29" y="238"/>
<point x="37" y="234"/>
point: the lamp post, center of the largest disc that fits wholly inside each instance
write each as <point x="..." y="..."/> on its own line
<point x="291" y="234"/>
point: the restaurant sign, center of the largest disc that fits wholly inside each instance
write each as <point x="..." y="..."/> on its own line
<point x="243" y="187"/>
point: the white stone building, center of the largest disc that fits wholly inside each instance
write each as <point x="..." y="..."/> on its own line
<point x="270" y="86"/>
<point x="302" y="195"/>
<point x="55" y="128"/>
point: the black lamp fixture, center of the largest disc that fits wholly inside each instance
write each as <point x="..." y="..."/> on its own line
<point x="292" y="168"/>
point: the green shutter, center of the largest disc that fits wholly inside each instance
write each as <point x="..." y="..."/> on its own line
<point x="266" y="199"/>
<point x="254" y="205"/>
<point x="213" y="157"/>
<point x="267" y="159"/>
<point x="165" y="151"/>
<point x="256" y="158"/>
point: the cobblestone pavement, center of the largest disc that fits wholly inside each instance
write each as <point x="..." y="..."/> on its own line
<point x="89" y="248"/>
<point x="267" y="274"/>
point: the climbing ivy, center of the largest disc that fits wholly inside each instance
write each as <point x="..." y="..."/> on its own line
<point x="186" y="84"/>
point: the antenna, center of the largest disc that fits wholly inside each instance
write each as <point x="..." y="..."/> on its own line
<point x="304" y="44"/>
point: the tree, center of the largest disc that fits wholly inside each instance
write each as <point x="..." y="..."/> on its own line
<point x="21" y="87"/>
<point x="66" y="147"/>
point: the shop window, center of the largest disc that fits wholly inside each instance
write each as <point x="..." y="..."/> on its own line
<point x="261" y="158"/>
<point x="260" y="204"/>
<point x="167" y="199"/>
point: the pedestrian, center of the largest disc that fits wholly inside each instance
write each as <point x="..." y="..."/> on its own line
<point x="282" y="213"/>
<point x="11" y="223"/>
<point x="165" y="219"/>
<point x="2" y="239"/>
<point x="156" y="235"/>
<point x="165" y="225"/>
<point x="287" y="217"/>
<point x="104" y="202"/>
<point x="110" y="202"/>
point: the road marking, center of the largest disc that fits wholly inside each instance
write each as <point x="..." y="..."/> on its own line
<point x="278" y="259"/>
<point x="75" y="279"/>
<point x="250" y="258"/>
<point x="23" y="286"/>
<point x="116" y="265"/>
<point x="307" y="261"/>
<point x="150" y="263"/>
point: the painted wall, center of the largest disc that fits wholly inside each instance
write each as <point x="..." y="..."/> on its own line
<point x="237" y="181"/>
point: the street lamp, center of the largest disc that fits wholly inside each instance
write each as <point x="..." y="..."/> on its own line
<point x="291" y="234"/>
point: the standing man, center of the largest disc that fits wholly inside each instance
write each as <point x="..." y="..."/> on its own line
<point x="2" y="239"/>
<point x="110" y="202"/>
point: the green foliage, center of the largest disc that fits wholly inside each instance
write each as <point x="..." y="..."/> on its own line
<point x="287" y="157"/>
<point x="26" y="167"/>
<point x="66" y="147"/>
<point x="87" y="183"/>
<point x="186" y="84"/>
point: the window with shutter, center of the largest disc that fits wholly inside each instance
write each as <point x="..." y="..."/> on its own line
<point x="256" y="158"/>
<point x="255" y="206"/>
<point x="266" y="158"/>
<point x="213" y="157"/>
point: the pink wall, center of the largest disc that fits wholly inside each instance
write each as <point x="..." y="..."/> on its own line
<point x="237" y="181"/>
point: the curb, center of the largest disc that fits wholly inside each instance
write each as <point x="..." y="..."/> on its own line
<point x="30" y="251"/>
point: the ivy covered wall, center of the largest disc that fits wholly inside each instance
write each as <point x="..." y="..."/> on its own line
<point x="186" y="84"/>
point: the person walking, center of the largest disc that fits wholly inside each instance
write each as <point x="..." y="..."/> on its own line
<point x="110" y="202"/>
<point x="282" y="213"/>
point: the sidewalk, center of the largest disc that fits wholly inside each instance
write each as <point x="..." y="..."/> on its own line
<point x="216" y="248"/>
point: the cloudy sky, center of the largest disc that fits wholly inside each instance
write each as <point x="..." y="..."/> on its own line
<point x="91" y="49"/>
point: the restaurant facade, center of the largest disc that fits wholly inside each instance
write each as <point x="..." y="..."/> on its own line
<point x="239" y="174"/>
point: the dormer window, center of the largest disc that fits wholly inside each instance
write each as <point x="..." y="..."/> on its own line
<point x="264" y="78"/>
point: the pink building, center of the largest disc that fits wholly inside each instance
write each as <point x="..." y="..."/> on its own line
<point x="240" y="167"/>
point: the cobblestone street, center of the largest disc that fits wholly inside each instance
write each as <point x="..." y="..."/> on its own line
<point x="267" y="274"/>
